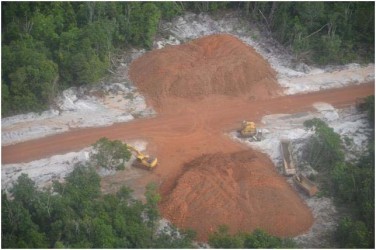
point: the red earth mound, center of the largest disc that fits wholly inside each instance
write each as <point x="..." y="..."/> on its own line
<point x="241" y="190"/>
<point x="235" y="187"/>
<point x="216" y="64"/>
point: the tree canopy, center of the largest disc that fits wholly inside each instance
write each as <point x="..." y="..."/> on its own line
<point x="352" y="184"/>
<point x="110" y="154"/>
<point x="76" y="214"/>
<point x="49" y="46"/>
<point x="257" y="239"/>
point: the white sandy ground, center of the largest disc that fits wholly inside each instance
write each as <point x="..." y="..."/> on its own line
<point x="78" y="107"/>
<point x="119" y="101"/>
<point x="294" y="77"/>
<point x="56" y="167"/>
<point x="347" y="122"/>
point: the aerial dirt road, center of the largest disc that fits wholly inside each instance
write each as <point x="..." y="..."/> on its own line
<point x="189" y="121"/>
<point x="201" y="90"/>
<point x="194" y="129"/>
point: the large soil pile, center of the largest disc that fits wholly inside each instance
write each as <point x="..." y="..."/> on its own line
<point x="216" y="64"/>
<point x="239" y="189"/>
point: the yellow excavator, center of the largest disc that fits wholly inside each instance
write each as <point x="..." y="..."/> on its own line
<point x="248" y="129"/>
<point x="144" y="161"/>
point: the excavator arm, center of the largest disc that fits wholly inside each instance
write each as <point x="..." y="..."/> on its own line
<point x="146" y="161"/>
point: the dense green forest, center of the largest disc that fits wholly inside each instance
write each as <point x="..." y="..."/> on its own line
<point x="242" y="240"/>
<point x="75" y="214"/>
<point x="49" y="46"/>
<point x="351" y="184"/>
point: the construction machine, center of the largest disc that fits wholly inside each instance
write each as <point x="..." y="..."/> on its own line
<point x="248" y="129"/>
<point x="144" y="161"/>
<point x="288" y="162"/>
<point x="305" y="184"/>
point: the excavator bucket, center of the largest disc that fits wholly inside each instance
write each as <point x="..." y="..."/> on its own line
<point x="152" y="162"/>
<point x="143" y="161"/>
<point x="147" y="164"/>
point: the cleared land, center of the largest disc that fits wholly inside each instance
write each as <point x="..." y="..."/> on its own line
<point x="201" y="90"/>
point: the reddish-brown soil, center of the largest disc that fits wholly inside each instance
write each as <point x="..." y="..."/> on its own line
<point x="228" y="185"/>
<point x="217" y="64"/>
<point x="237" y="189"/>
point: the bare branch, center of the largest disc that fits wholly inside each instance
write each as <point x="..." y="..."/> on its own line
<point x="315" y="31"/>
<point x="267" y="23"/>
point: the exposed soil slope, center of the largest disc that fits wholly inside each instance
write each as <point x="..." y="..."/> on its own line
<point x="216" y="64"/>
<point x="239" y="190"/>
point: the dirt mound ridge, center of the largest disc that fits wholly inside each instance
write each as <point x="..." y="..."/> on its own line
<point x="216" y="64"/>
<point x="238" y="189"/>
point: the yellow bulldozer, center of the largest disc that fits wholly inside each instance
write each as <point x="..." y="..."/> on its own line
<point x="248" y="129"/>
<point x="144" y="161"/>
